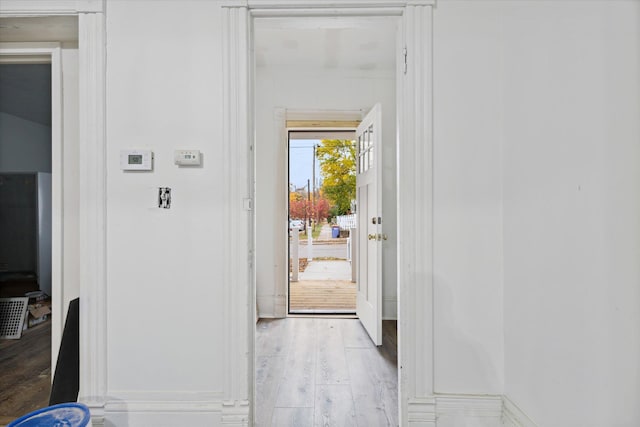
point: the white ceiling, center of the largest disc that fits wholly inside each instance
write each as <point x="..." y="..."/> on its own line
<point x="43" y="29"/>
<point x="323" y="43"/>
<point x="326" y="43"/>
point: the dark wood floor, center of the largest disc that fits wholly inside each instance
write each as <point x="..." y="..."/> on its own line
<point x="25" y="379"/>
<point x="325" y="372"/>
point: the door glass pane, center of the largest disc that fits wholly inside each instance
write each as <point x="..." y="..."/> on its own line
<point x="366" y="161"/>
<point x="368" y="133"/>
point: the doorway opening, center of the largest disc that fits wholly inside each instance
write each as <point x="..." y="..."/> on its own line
<point x="26" y="236"/>
<point x="321" y="205"/>
<point x="35" y="169"/>
<point x="319" y="369"/>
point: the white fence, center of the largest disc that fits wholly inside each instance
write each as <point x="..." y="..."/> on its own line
<point x="346" y="222"/>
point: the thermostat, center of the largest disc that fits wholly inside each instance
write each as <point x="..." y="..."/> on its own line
<point x="186" y="157"/>
<point x="136" y="160"/>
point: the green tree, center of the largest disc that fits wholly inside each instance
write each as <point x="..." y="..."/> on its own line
<point x="337" y="158"/>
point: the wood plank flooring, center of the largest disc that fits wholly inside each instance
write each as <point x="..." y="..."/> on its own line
<point x="336" y="295"/>
<point x="25" y="382"/>
<point x="325" y="372"/>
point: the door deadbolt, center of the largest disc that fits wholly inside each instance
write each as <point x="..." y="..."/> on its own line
<point x="377" y="237"/>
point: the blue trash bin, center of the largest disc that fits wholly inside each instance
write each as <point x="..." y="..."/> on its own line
<point x="64" y="414"/>
<point x="335" y="231"/>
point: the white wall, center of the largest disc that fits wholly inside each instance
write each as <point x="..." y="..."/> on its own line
<point x="304" y="89"/>
<point x="25" y="146"/>
<point x="537" y="105"/>
<point x="571" y="133"/>
<point x="468" y="328"/>
<point x="535" y="102"/>
<point x="71" y="176"/>
<point x="164" y="281"/>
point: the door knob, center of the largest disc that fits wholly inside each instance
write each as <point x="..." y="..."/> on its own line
<point x="372" y="237"/>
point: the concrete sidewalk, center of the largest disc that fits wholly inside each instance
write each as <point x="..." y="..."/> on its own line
<point x="325" y="232"/>
<point x="327" y="270"/>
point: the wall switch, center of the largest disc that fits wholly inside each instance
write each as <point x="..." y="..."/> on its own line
<point x="186" y="157"/>
<point x="164" y="197"/>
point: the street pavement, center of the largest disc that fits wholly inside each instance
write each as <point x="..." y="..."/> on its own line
<point x="323" y="250"/>
<point x="324" y="246"/>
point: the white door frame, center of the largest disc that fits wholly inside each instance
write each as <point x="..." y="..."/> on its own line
<point x="92" y="250"/>
<point x="415" y="196"/>
<point x="282" y="116"/>
<point x="49" y="52"/>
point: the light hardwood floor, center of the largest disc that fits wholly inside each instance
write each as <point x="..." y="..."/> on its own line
<point x="325" y="372"/>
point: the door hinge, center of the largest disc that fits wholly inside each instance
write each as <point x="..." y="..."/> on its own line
<point x="404" y="53"/>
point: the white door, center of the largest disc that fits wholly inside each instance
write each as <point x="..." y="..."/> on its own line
<point x="369" y="253"/>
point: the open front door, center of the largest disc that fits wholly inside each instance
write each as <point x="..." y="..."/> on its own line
<point x="369" y="253"/>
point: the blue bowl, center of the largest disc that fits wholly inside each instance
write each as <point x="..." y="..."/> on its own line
<point x="62" y="415"/>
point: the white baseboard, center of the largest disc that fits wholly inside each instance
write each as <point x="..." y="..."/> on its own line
<point x="272" y="307"/>
<point x="280" y="306"/>
<point x="421" y="412"/>
<point x="455" y="410"/>
<point x="167" y="409"/>
<point x="160" y="409"/>
<point x="512" y="415"/>
<point x="265" y="307"/>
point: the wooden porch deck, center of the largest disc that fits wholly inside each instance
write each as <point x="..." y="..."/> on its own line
<point x="323" y="295"/>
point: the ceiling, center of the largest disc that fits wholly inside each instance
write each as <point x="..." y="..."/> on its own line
<point x="43" y="29"/>
<point x="314" y="43"/>
<point x="25" y="89"/>
<point x="326" y="43"/>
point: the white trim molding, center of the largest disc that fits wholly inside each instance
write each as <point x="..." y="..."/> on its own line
<point x="50" y="7"/>
<point x="236" y="414"/>
<point x="415" y="214"/>
<point x="333" y="4"/>
<point x="485" y="409"/>
<point x="151" y="408"/>
<point x="93" y="275"/>
<point x="93" y="278"/>
<point x="512" y="415"/>
<point x="420" y="412"/>
<point x="239" y="272"/>
<point x="454" y="410"/>
<point x="414" y="202"/>
<point x="20" y="53"/>
<point x="154" y="401"/>
<point x="389" y="308"/>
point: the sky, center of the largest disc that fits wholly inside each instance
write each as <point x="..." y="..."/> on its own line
<point x="301" y="162"/>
